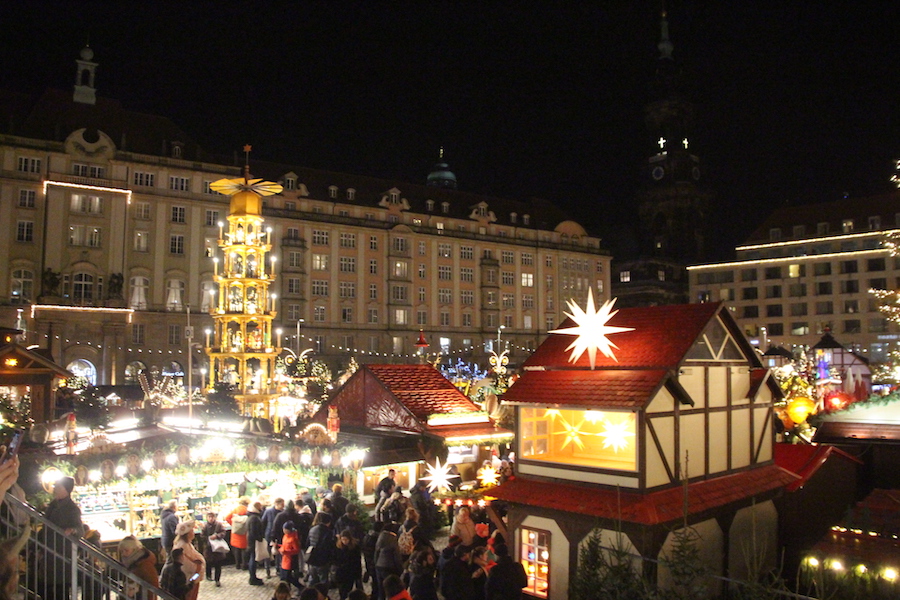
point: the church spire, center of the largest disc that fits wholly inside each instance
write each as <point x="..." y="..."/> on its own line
<point x="665" y="44"/>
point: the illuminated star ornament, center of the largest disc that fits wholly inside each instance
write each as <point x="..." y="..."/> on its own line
<point x="489" y="476"/>
<point x="439" y="476"/>
<point x="592" y="330"/>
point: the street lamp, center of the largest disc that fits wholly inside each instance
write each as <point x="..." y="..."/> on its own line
<point x="299" y="322"/>
<point x="499" y="329"/>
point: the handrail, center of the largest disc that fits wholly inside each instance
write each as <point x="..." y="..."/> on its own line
<point x="55" y="561"/>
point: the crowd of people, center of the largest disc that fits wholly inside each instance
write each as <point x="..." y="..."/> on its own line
<point x="314" y="544"/>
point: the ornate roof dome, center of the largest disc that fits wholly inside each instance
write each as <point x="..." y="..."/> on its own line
<point x="441" y="176"/>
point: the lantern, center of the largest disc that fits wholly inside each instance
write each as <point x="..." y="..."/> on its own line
<point x="800" y="408"/>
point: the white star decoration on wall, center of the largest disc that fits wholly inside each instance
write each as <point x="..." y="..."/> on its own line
<point x="592" y="329"/>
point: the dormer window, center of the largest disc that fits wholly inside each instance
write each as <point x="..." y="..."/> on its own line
<point x="332" y="191"/>
<point x="177" y="149"/>
<point x="874" y="223"/>
<point x="395" y="197"/>
<point x="526" y="219"/>
<point x="429" y="205"/>
<point x="847" y="225"/>
<point x="351" y="194"/>
<point x="445" y="207"/>
<point x="290" y="183"/>
<point x="775" y="234"/>
<point x="513" y="217"/>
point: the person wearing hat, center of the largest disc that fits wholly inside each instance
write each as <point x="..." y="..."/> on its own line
<point x="290" y="549"/>
<point x="66" y="516"/>
<point x="172" y="578"/>
<point x="507" y="578"/>
<point x="237" y="518"/>
<point x="192" y="562"/>
<point x="213" y="530"/>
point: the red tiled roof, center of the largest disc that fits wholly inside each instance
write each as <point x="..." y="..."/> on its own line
<point x="804" y="460"/>
<point x="879" y="512"/>
<point x="607" y="388"/>
<point x="422" y="389"/>
<point x="473" y="430"/>
<point x="648" y="509"/>
<point x="662" y="336"/>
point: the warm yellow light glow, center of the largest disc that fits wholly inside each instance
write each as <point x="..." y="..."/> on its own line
<point x="11" y="362"/>
<point x="551" y="413"/>
<point x="489" y="476"/>
<point x="438" y="476"/>
<point x="593" y="416"/>
<point x="80" y="186"/>
<point x="573" y="435"/>
<point x="837" y="565"/>
<point x="890" y="574"/>
<point x="591" y="329"/>
<point x="616" y="435"/>
<point x="782" y="259"/>
<point x="813" y="561"/>
<point x="817" y="239"/>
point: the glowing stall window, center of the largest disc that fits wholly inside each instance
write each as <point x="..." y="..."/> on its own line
<point x="534" y="553"/>
<point x="83" y="368"/>
<point x="579" y="437"/>
<point x="460" y="454"/>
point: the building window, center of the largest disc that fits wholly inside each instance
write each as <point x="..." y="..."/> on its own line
<point x="179" y="214"/>
<point x="466" y="252"/>
<point x="401" y="316"/>
<point x="527" y="259"/>
<point x="851" y="326"/>
<point x="508" y="278"/>
<point x="347" y="289"/>
<point x="444" y="250"/>
<point x="141" y="241"/>
<point x="527" y="279"/>
<point x="293" y="312"/>
<point x="849" y="266"/>
<point x="348" y="264"/>
<point x="543" y="438"/>
<point x="319" y="343"/>
<point x="775" y="234"/>
<point x="399" y="293"/>
<point x="467" y="274"/>
<point x="82" y="203"/>
<point x="83" y="288"/>
<point x="445" y="296"/>
<point x="212" y="218"/>
<point x="174" y="335"/>
<point x="422" y="295"/>
<point x="373" y="242"/>
<point x="144" y="179"/>
<point x="401" y="269"/>
<point x="773" y="273"/>
<point x="320" y="237"/>
<point x="749" y="293"/>
<point x="174" y="294"/>
<point x="22" y="286"/>
<point x="142" y="211"/>
<point x="319" y="314"/>
<point x="421" y="271"/>
<point x="27" y="198"/>
<point x="320" y="262"/>
<point x="774" y="310"/>
<point x="180" y="184"/>
<point x="421" y="317"/>
<point x="373" y="291"/>
<point x="295" y="259"/>
<point x="29" y="165"/>
<point x="850" y="286"/>
<point x="348" y="240"/>
<point x="294" y="285"/>
<point x="320" y="287"/>
<point x="467" y="319"/>
<point x="401" y="245"/>
<point x="445" y="319"/>
<point x="509" y="301"/>
<point x="137" y="334"/>
<point x="445" y="272"/>
<point x="508" y="257"/>
<point x="824" y="288"/>
<point x="847" y="226"/>
<point x="535" y="553"/>
<point x="292" y="233"/>
<point x="624" y="276"/>
<point x="467" y="297"/>
<point x="445" y="207"/>
<point x="25" y="231"/>
<point x="875" y="264"/>
<point x="176" y="244"/>
<point x="140" y="291"/>
<point x="750" y="312"/>
<point x="422" y="249"/>
<point x="823" y="268"/>
<point x="527" y="301"/>
<point x="346" y="314"/>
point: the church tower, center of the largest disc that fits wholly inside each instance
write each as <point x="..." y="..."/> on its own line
<point x="86" y="70"/>
<point x="673" y="205"/>
<point x="244" y="349"/>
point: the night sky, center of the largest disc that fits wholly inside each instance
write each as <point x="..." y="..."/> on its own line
<point x="794" y="103"/>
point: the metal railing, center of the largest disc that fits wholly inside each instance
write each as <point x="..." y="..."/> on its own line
<point x="56" y="566"/>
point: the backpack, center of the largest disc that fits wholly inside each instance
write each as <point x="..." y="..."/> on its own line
<point x="239" y="524"/>
<point x="406" y="542"/>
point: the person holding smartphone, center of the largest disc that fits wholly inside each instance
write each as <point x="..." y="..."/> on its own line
<point x="9" y="466"/>
<point x="173" y="580"/>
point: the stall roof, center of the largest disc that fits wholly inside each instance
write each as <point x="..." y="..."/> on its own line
<point x="805" y="460"/>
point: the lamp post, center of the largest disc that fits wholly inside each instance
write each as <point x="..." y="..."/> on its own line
<point x="189" y="335"/>
<point x="499" y="329"/>
<point x="299" y="322"/>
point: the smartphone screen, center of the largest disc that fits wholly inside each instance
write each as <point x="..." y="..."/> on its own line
<point x="13" y="448"/>
<point x="195" y="576"/>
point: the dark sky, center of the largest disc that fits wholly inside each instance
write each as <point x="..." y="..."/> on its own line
<point x="794" y="102"/>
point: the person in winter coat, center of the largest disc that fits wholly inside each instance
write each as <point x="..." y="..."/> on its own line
<point x="394" y="508"/>
<point x="479" y="566"/>
<point x="420" y="499"/>
<point x="65" y="514"/>
<point x="192" y="561"/>
<point x="370" y="539"/>
<point x="255" y="533"/>
<point x="239" y="540"/>
<point x="350" y="521"/>
<point x="139" y="561"/>
<point x="169" y="521"/>
<point x="268" y="519"/>
<point x="172" y="579"/>
<point x="422" y="584"/>
<point x="320" y="549"/>
<point x="463" y="526"/>
<point x="339" y="501"/>
<point x="213" y="529"/>
<point x="507" y="578"/>
<point x="289" y="548"/>
<point x="347" y="563"/>
<point x="456" y="578"/>
<point x="387" y="557"/>
<point x="383" y="491"/>
<point x="394" y="589"/>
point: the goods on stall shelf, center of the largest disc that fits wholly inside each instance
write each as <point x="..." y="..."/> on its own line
<point x="133" y="507"/>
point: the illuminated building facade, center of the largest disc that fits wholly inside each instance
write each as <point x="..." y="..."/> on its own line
<point x="110" y="224"/>
<point x="808" y="270"/>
